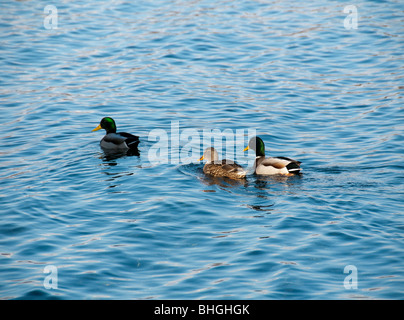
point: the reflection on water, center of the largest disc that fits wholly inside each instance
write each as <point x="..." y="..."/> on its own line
<point x="111" y="166"/>
<point x="222" y="181"/>
<point x="264" y="208"/>
<point x="114" y="155"/>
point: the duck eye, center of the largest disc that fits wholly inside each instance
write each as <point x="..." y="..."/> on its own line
<point x="106" y="122"/>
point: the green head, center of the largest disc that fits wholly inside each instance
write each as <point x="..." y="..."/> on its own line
<point x="108" y="124"/>
<point x="257" y="145"/>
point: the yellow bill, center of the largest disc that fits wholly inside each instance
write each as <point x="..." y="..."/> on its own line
<point x="201" y="158"/>
<point x="98" y="128"/>
<point x="246" y="148"/>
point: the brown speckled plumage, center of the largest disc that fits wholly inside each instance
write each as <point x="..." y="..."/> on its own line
<point x="221" y="168"/>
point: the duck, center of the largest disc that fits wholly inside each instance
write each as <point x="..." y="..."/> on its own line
<point x="271" y="165"/>
<point x="221" y="168"/>
<point x="116" y="141"/>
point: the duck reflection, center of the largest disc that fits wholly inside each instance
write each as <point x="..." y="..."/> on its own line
<point x="222" y="181"/>
<point x="263" y="189"/>
<point x="262" y="181"/>
<point x="110" y="168"/>
<point x="109" y="157"/>
<point x="261" y="208"/>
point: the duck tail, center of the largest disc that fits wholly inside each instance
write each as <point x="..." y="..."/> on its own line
<point x="132" y="144"/>
<point x="294" y="167"/>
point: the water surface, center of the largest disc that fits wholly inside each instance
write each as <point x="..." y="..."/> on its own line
<point x="127" y="228"/>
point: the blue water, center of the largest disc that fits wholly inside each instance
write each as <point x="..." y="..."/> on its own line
<point x="129" y="228"/>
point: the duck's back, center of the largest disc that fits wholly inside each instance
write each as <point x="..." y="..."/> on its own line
<point x="225" y="168"/>
<point x="277" y="165"/>
<point x="119" y="141"/>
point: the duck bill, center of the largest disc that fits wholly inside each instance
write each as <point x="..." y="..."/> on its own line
<point x="246" y="148"/>
<point x="201" y="158"/>
<point x="96" y="129"/>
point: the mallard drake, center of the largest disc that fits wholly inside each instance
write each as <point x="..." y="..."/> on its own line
<point x="271" y="165"/>
<point x="221" y="168"/>
<point x="114" y="141"/>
